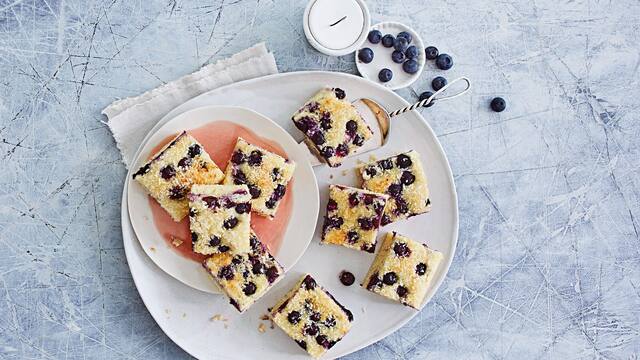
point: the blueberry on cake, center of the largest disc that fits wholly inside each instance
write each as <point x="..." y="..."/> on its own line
<point x="312" y="317"/>
<point x="333" y="127"/>
<point x="403" y="179"/>
<point x="353" y="217"/>
<point x="171" y="172"/>
<point x="219" y="218"/>
<point x="244" y="278"/>
<point x="265" y="173"/>
<point x="402" y="270"/>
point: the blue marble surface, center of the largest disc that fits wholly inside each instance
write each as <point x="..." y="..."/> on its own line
<point x="548" y="261"/>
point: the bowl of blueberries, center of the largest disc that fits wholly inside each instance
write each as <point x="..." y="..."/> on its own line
<point x="393" y="55"/>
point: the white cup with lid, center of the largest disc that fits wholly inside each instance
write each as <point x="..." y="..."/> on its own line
<point x="336" y="27"/>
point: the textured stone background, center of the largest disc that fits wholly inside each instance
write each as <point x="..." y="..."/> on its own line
<point x="548" y="262"/>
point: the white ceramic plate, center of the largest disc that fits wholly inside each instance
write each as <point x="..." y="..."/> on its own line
<point x="183" y="313"/>
<point x="382" y="57"/>
<point x="304" y="187"/>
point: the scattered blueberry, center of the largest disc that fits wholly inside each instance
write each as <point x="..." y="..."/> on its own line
<point x="400" y="44"/>
<point x="421" y="269"/>
<point x="302" y="344"/>
<point x="353" y="199"/>
<point x="194" y="237"/>
<point x="385" y="75"/>
<point x="407" y="178"/>
<point x="239" y="178"/>
<point x="365" y="223"/>
<point x="403" y="161"/>
<point x="411" y="52"/>
<point x="444" y="62"/>
<point x="424" y="96"/>
<point x="410" y="66"/>
<point x="270" y="204"/>
<point x="331" y="321"/>
<point x="397" y="56"/>
<point x="226" y="272"/>
<point x="223" y="248"/>
<point x="387" y="40"/>
<point x="347" y="278"/>
<point x="358" y="140"/>
<point x="279" y="191"/>
<point x="498" y="104"/>
<point x="327" y="151"/>
<point x="365" y="55"/>
<point x="340" y="94"/>
<point x="352" y="126"/>
<point x="406" y="35"/>
<point x="401" y="206"/>
<point x="309" y="283"/>
<point x="394" y="190"/>
<point x="438" y="83"/>
<point x="374" y="36"/>
<point x="315" y="316"/>
<point x="431" y="52"/>
<point x="371" y="171"/>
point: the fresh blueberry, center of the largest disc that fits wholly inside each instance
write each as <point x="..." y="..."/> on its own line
<point x="352" y="126"/>
<point x="498" y="104"/>
<point x="411" y="52"/>
<point x="385" y="75"/>
<point x="431" y="52"/>
<point x="406" y="35"/>
<point x="255" y="159"/>
<point x="410" y="66"/>
<point x="403" y="161"/>
<point x="444" y="62"/>
<point x="390" y="278"/>
<point x="327" y="151"/>
<point x="374" y="36"/>
<point x="438" y="83"/>
<point x="365" y="55"/>
<point x="318" y="138"/>
<point x="388" y="40"/>
<point x="407" y="178"/>
<point x="400" y="44"/>
<point x="397" y="56"/>
<point x="347" y="278"/>
<point x="424" y="96"/>
<point x="340" y="94"/>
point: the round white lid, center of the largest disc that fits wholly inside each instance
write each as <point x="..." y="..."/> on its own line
<point x="336" y="27"/>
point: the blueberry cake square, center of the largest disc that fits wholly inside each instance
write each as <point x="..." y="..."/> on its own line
<point x="353" y="217"/>
<point x="333" y="127"/>
<point x="244" y="278"/>
<point x="265" y="173"/>
<point x="171" y="172"/>
<point x="402" y="270"/>
<point x="403" y="179"/>
<point x="219" y="218"/>
<point x="312" y="317"/>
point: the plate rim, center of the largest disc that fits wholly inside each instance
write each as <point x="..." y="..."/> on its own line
<point x="449" y="175"/>
<point x="306" y="164"/>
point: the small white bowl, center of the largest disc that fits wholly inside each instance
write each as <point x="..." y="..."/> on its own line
<point x="382" y="57"/>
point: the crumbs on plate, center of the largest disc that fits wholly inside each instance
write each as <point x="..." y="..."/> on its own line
<point x="176" y="241"/>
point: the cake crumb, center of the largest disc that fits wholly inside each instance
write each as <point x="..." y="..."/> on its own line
<point x="331" y="176"/>
<point x="261" y="328"/>
<point x="372" y="157"/>
<point x="344" y="172"/>
<point x="176" y="241"/>
<point x="264" y="317"/>
<point x="153" y="248"/>
<point x="218" y="317"/>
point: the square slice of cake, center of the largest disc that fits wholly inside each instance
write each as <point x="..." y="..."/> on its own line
<point x="265" y="173"/>
<point x="333" y="127"/>
<point x="244" y="278"/>
<point x="353" y="217"/>
<point x="402" y="270"/>
<point x="312" y="317"/>
<point x="171" y="172"/>
<point x="219" y="218"/>
<point x="403" y="179"/>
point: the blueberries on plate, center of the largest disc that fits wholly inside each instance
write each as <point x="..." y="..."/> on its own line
<point x="405" y="35"/>
<point x="388" y="40"/>
<point x="411" y="52"/>
<point x="385" y="75"/>
<point x="400" y="44"/>
<point x="431" y="52"/>
<point x="425" y="95"/>
<point x="365" y="55"/>
<point x="444" y="62"/>
<point x="498" y="104"/>
<point x="397" y="56"/>
<point x="410" y="66"/>
<point x="438" y="83"/>
<point x="374" y="36"/>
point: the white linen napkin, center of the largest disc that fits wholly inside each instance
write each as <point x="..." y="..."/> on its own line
<point x="132" y="118"/>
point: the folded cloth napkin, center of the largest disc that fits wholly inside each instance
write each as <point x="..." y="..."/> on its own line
<point x="132" y="118"/>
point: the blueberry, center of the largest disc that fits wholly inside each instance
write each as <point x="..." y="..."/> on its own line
<point x="407" y="178"/>
<point x="388" y="40"/>
<point x="254" y="191"/>
<point x="237" y="158"/>
<point x="498" y="104"/>
<point x="401" y="44"/>
<point x="385" y="220"/>
<point x="255" y="159"/>
<point x="352" y="126"/>
<point x="211" y="201"/>
<point x="340" y="94"/>
<point x="374" y="281"/>
<point x="331" y="321"/>
<point x="194" y="150"/>
<point x="411" y="52"/>
<point x="401" y="250"/>
<point x="230" y="223"/>
<point x="168" y="172"/>
<point x="270" y="204"/>
<point x="177" y="192"/>
<point x="315" y="316"/>
<point x="143" y="170"/>
<point x="194" y="237"/>
<point x="406" y="35"/>
<point x="192" y="212"/>
<point x="353" y="199"/>
<point x="352" y="237"/>
<point x="325" y="121"/>
<point x="275" y="174"/>
<point x="438" y="83"/>
<point x="425" y="95"/>
<point x="374" y="36"/>
<point x="293" y="317"/>
<point x="305" y="123"/>
<point x="239" y="178"/>
<point x="249" y="289"/>
<point x="302" y="344"/>
<point x="272" y="274"/>
<point x="185" y="162"/>
<point x="368" y="248"/>
<point x="371" y="171"/>
<point x="311" y="329"/>
<point x="309" y="283"/>
<point x="279" y="191"/>
<point x="365" y="223"/>
<point x="394" y="190"/>
<point x="243" y="208"/>
<point x="327" y="151"/>
<point x="444" y="62"/>
<point x="402" y="291"/>
<point x="358" y="140"/>
<point x="223" y="248"/>
<point x="385" y="75"/>
<point x="401" y="206"/>
<point x="237" y="260"/>
<point x="390" y="278"/>
<point x="313" y="106"/>
<point x="397" y="56"/>
<point x="410" y="66"/>
<point x="342" y="150"/>
<point x="347" y="278"/>
<point x="334" y="222"/>
<point x="332" y="205"/>
<point x="323" y="341"/>
<point x="421" y="269"/>
<point x="403" y="161"/>
<point x="257" y="268"/>
<point x="365" y="55"/>
<point x="431" y="52"/>
<point x="318" y="138"/>
<point x="226" y="272"/>
<point x="386" y="164"/>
